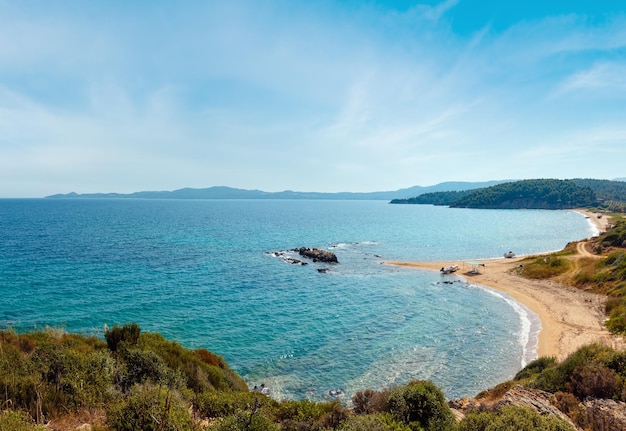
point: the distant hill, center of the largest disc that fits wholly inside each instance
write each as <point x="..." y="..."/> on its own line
<point x="533" y="194"/>
<point x="221" y="192"/>
<point x="538" y="193"/>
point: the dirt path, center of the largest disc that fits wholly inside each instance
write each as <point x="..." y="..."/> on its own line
<point x="583" y="251"/>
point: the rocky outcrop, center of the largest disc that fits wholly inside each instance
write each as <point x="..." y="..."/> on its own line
<point x="535" y="399"/>
<point x="317" y="255"/>
<point x="539" y="401"/>
<point x="605" y="415"/>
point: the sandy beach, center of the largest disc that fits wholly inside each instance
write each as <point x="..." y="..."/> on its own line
<point x="570" y="318"/>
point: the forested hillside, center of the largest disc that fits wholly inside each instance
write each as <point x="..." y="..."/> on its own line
<point x="434" y="198"/>
<point x="539" y="194"/>
<point x="604" y="189"/>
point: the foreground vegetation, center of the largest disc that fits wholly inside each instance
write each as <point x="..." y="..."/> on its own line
<point x="141" y="381"/>
<point x="149" y="383"/>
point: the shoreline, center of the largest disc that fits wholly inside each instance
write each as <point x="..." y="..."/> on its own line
<point x="600" y="224"/>
<point x="569" y="318"/>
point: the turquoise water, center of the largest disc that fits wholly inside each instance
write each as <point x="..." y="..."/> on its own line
<point x="204" y="273"/>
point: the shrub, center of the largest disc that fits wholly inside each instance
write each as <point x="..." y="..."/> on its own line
<point x="150" y="408"/>
<point x="536" y="367"/>
<point x="512" y="418"/>
<point x="305" y="415"/>
<point x="372" y="422"/>
<point x="476" y="421"/>
<point x="420" y="404"/>
<point x="202" y="369"/>
<point x="545" y="267"/>
<point x="17" y="421"/>
<point x="571" y="406"/>
<point x="594" y="381"/>
<point x="145" y="366"/>
<point x="213" y="404"/>
<point x="617" y="362"/>
<point x="129" y="333"/>
<point x="334" y="416"/>
<point x="210" y="358"/>
<point x="497" y="391"/>
<point x="248" y="421"/>
<point x="22" y="342"/>
<point x="370" y="401"/>
<point x="18" y="378"/>
<point x="555" y="379"/>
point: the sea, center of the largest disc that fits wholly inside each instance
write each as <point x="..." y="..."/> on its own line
<point x="219" y="274"/>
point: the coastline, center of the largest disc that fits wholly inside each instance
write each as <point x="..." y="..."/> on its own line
<point x="570" y="318"/>
<point x="600" y="224"/>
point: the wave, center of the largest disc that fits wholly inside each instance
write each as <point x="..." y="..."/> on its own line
<point x="530" y="324"/>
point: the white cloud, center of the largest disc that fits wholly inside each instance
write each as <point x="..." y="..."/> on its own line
<point x="251" y="95"/>
<point x="605" y="77"/>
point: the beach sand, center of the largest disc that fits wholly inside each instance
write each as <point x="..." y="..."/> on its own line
<point x="570" y="318"/>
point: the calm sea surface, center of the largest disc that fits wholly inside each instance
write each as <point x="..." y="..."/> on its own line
<point x="203" y="272"/>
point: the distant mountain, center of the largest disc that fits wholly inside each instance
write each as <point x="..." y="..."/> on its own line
<point x="221" y="192"/>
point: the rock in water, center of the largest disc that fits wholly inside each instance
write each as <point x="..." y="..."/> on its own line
<point x="317" y="255"/>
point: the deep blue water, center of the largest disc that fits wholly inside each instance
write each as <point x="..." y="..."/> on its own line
<point x="202" y="272"/>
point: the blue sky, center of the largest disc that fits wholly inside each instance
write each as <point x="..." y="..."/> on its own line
<point x="117" y="96"/>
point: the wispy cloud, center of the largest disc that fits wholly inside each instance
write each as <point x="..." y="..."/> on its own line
<point x="432" y="13"/>
<point x="604" y="77"/>
<point x="121" y="96"/>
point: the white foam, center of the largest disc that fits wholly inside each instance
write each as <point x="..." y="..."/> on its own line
<point x="528" y="336"/>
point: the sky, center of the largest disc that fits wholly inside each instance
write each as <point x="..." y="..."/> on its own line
<point x="326" y="96"/>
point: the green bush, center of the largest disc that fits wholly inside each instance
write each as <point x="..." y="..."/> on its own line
<point x="545" y="267"/>
<point x="18" y="378"/>
<point x="202" y="370"/>
<point x="146" y="366"/>
<point x="512" y="418"/>
<point x="150" y="408"/>
<point x="617" y="362"/>
<point x="213" y="404"/>
<point x="17" y="421"/>
<point x="555" y="379"/>
<point x="65" y="380"/>
<point x="570" y="405"/>
<point x="249" y="421"/>
<point x="536" y="367"/>
<point x="372" y="422"/>
<point x="307" y="415"/>
<point x="420" y="404"/>
<point x="369" y="401"/>
<point x="129" y="334"/>
<point x="596" y="381"/>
